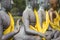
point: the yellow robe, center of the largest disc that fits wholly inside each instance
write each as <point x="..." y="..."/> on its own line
<point x="38" y="27"/>
<point x="56" y="25"/>
<point x="11" y="27"/>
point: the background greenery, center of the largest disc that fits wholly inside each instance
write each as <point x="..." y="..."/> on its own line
<point x="18" y="7"/>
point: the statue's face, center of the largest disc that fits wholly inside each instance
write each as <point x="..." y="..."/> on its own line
<point x="33" y="3"/>
<point x="53" y="1"/>
<point x="7" y="4"/>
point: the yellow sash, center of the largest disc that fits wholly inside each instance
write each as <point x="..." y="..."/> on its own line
<point x="11" y="27"/>
<point x="38" y="27"/>
<point x="56" y="25"/>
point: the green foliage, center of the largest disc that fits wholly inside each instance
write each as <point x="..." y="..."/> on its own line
<point x="20" y="4"/>
<point x="14" y="11"/>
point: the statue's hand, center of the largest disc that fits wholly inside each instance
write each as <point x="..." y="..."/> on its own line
<point x="42" y="35"/>
<point x="48" y="37"/>
<point x="17" y="27"/>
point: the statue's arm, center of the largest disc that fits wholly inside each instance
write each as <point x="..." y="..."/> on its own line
<point x="57" y="34"/>
<point x="12" y="34"/>
<point x="51" y="33"/>
<point x="5" y="37"/>
<point x="9" y="35"/>
<point x="58" y="38"/>
<point x="1" y="31"/>
<point x="26" y="24"/>
<point x="50" y="12"/>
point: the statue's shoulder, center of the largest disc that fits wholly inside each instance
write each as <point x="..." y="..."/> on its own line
<point x="5" y="18"/>
<point x="3" y="13"/>
<point x="41" y="10"/>
<point x="28" y="11"/>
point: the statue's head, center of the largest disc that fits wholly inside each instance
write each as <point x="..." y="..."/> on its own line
<point x="43" y="4"/>
<point x="33" y="3"/>
<point x="53" y="2"/>
<point x="7" y="4"/>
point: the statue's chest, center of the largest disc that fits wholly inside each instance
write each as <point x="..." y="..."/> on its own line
<point x="5" y="20"/>
<point x="32" y="17"/>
